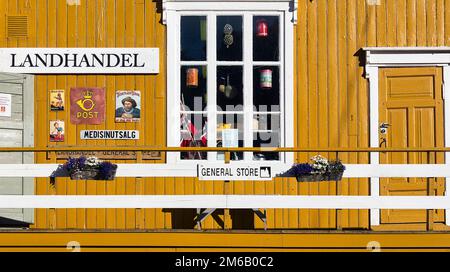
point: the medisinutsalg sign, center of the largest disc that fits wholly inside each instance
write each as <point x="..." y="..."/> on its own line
<point x="79" y="60"/>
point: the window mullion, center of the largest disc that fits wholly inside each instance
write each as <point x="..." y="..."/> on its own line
<point x="248" y="85"/>
<point x="211" y="83"/>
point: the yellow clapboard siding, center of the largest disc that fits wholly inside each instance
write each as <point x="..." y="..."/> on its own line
<point x="331" y="99"/>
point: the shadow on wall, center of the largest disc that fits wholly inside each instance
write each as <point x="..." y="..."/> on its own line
<point x="11" y="223"/>
<point x="185" y="218"/>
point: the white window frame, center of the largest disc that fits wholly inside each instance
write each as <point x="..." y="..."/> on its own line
<point x="172" y="12"/>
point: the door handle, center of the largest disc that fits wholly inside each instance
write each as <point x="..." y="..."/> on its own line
<point x="383" y="141"/>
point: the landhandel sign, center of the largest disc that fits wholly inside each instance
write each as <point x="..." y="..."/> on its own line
<point x="234" y="172"/>
<point x="80" y="60"/>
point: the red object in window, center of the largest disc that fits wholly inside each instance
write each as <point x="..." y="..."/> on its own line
<point x="194" y="132"/>
<point x="192" y="77"/>
<point x="262" y="30"/>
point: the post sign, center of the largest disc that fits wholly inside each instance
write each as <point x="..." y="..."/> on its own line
<point x="87" y="106"/>
<point x="80" y="60"/>
<point x="234" y="172"/>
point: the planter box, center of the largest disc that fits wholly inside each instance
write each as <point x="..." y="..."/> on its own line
<point x="92" y="174"/>
<point x="321" y="177"/>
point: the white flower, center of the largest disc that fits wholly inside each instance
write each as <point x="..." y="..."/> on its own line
<point x="92" y="161"/>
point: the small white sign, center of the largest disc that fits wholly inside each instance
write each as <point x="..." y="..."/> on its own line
<point x="80" y="60"/>
<point x="230" y="137"/>
<point x="109" y="134"/>
<point x="5" y="105"/>
<point x="234" y="172"/>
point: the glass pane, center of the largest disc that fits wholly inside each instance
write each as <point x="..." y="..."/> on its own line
<point x="193" y="88"/>
<point x="266" y="88"/>
<point x="230" y="133"/>
<point x="266" y="38"/>
<point x="266" y="122"/>
<point x="229" y="38"/>
<point x="193" y="134"/>
<point x="266" y="139"/>
<point x="193" y="38"/>
<point x="229" y="88"/>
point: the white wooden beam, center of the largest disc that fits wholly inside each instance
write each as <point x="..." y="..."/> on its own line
<point x="225" y="202"/>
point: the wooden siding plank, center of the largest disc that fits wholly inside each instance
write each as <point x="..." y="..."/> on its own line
<point x="363" y="108"/>
<point x="431" y="23"/>
<point x="391" y="22"/>
<point x="401" y="23"/>
<point x="110" y="27"/>
<point x="411" y="25"/>
<point x="447" y="23"/>
<point x="343" y="118"/>
<point x="440" y="9"/>
<point x="421" y="23"/>
<point x="150" y="33"/>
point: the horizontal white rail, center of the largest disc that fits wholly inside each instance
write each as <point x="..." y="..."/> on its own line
<point x="164" y="170"/>
<point x="226" y="201"/>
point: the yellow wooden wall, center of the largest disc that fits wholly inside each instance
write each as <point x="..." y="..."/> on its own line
<point x="330" y="91"/>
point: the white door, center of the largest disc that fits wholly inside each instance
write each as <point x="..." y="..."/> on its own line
<point x="17" y="130"/>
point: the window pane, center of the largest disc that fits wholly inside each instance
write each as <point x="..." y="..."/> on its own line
<point x="266" y="122"/>
<point x="266" y="88"/>
<point x="266" y="38"/>
<point x="229" y="88"/>
<point x="193" y="88"/>
<point x="193" y="38"/>
<point x="193" y="134"/>
<point x="266" y="139"/>
<point x="230" y="133"/>
<point x="229" y="38"/>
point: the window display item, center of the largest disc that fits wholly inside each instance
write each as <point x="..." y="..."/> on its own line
<point x="228" y="38"/>
<point x="192" y="77"/>
<point x="262" y="30"/>
<point x="266" y="79"/>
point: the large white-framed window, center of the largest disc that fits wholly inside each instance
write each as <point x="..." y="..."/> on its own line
<point x="230" y="79"/>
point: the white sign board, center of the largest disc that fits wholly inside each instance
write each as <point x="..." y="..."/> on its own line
<point x="234" y="172"/>
<point x="109" y="134"/>
<point x="80" y="60"/>
<point x="5" y="105"/>
<point x="230" y="138"/>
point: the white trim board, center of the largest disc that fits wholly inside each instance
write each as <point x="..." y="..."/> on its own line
<point x="225" y="202"/>
<point x="164" y="170"/>
<point x="377" y="57"/>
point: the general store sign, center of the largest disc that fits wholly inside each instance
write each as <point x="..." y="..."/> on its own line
<point x="80" y="60"/>
<point x="234" y="172"/>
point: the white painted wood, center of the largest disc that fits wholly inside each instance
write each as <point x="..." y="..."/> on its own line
<point x="446" y="90"/>
<point x="147" y="61"/>
<point x="190" y="170"/>
<point x="212" y="10"/>
<point x="372" y="75"/>
<point x="28" y="140"/>
<point x="225" y="202"/>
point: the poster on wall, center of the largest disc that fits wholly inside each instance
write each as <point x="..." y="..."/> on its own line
<point x="128" y="106"/>
<point x="5" y="105"/>
<point x="57" y="131"/>
<point x="57" y="100"/>
<point x="87" y="106"/>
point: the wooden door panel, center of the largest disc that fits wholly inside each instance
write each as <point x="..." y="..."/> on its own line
<point x="411" y="102"/>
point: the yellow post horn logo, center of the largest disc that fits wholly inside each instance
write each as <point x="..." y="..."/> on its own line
<point x="86" y="100"/>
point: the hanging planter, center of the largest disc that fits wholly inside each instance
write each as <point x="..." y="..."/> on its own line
<point x="320" y="170"/>
<point x="91" y="168"/>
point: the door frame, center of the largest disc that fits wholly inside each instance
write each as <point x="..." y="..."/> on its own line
<point x="380" y="57"/>
<point x="27" y="82"/>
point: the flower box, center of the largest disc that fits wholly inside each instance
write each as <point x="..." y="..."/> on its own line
<point x="321" y="177"/>
<point x="320" y="170"/>
<point x="88" y="168"/>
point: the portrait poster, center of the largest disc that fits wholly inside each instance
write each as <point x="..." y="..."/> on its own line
<point x="87" y="106"/>
<point x="56" y="131"/>
<point x="57" y="100"/>
<point x="128" y="106"/>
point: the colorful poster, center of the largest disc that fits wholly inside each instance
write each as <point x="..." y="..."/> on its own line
<point x="57" y="100"/>
<point x="128" y="106"/>
<point x="56" y="131"/>
<point x="87" y="106"/>
<point x="5" y="105"/>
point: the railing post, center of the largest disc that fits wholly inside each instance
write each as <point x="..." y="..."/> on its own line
<point x="226" y="212"/>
